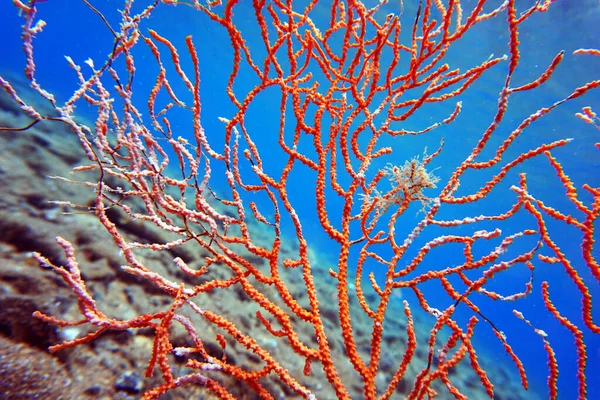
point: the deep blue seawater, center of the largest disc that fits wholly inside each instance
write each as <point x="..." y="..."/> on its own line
<point x="74" y="30"/>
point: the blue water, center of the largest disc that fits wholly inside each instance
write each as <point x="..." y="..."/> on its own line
<point x="75" y="31"/>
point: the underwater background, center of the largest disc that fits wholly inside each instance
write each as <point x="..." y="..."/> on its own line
<point x="74" y="30"/>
